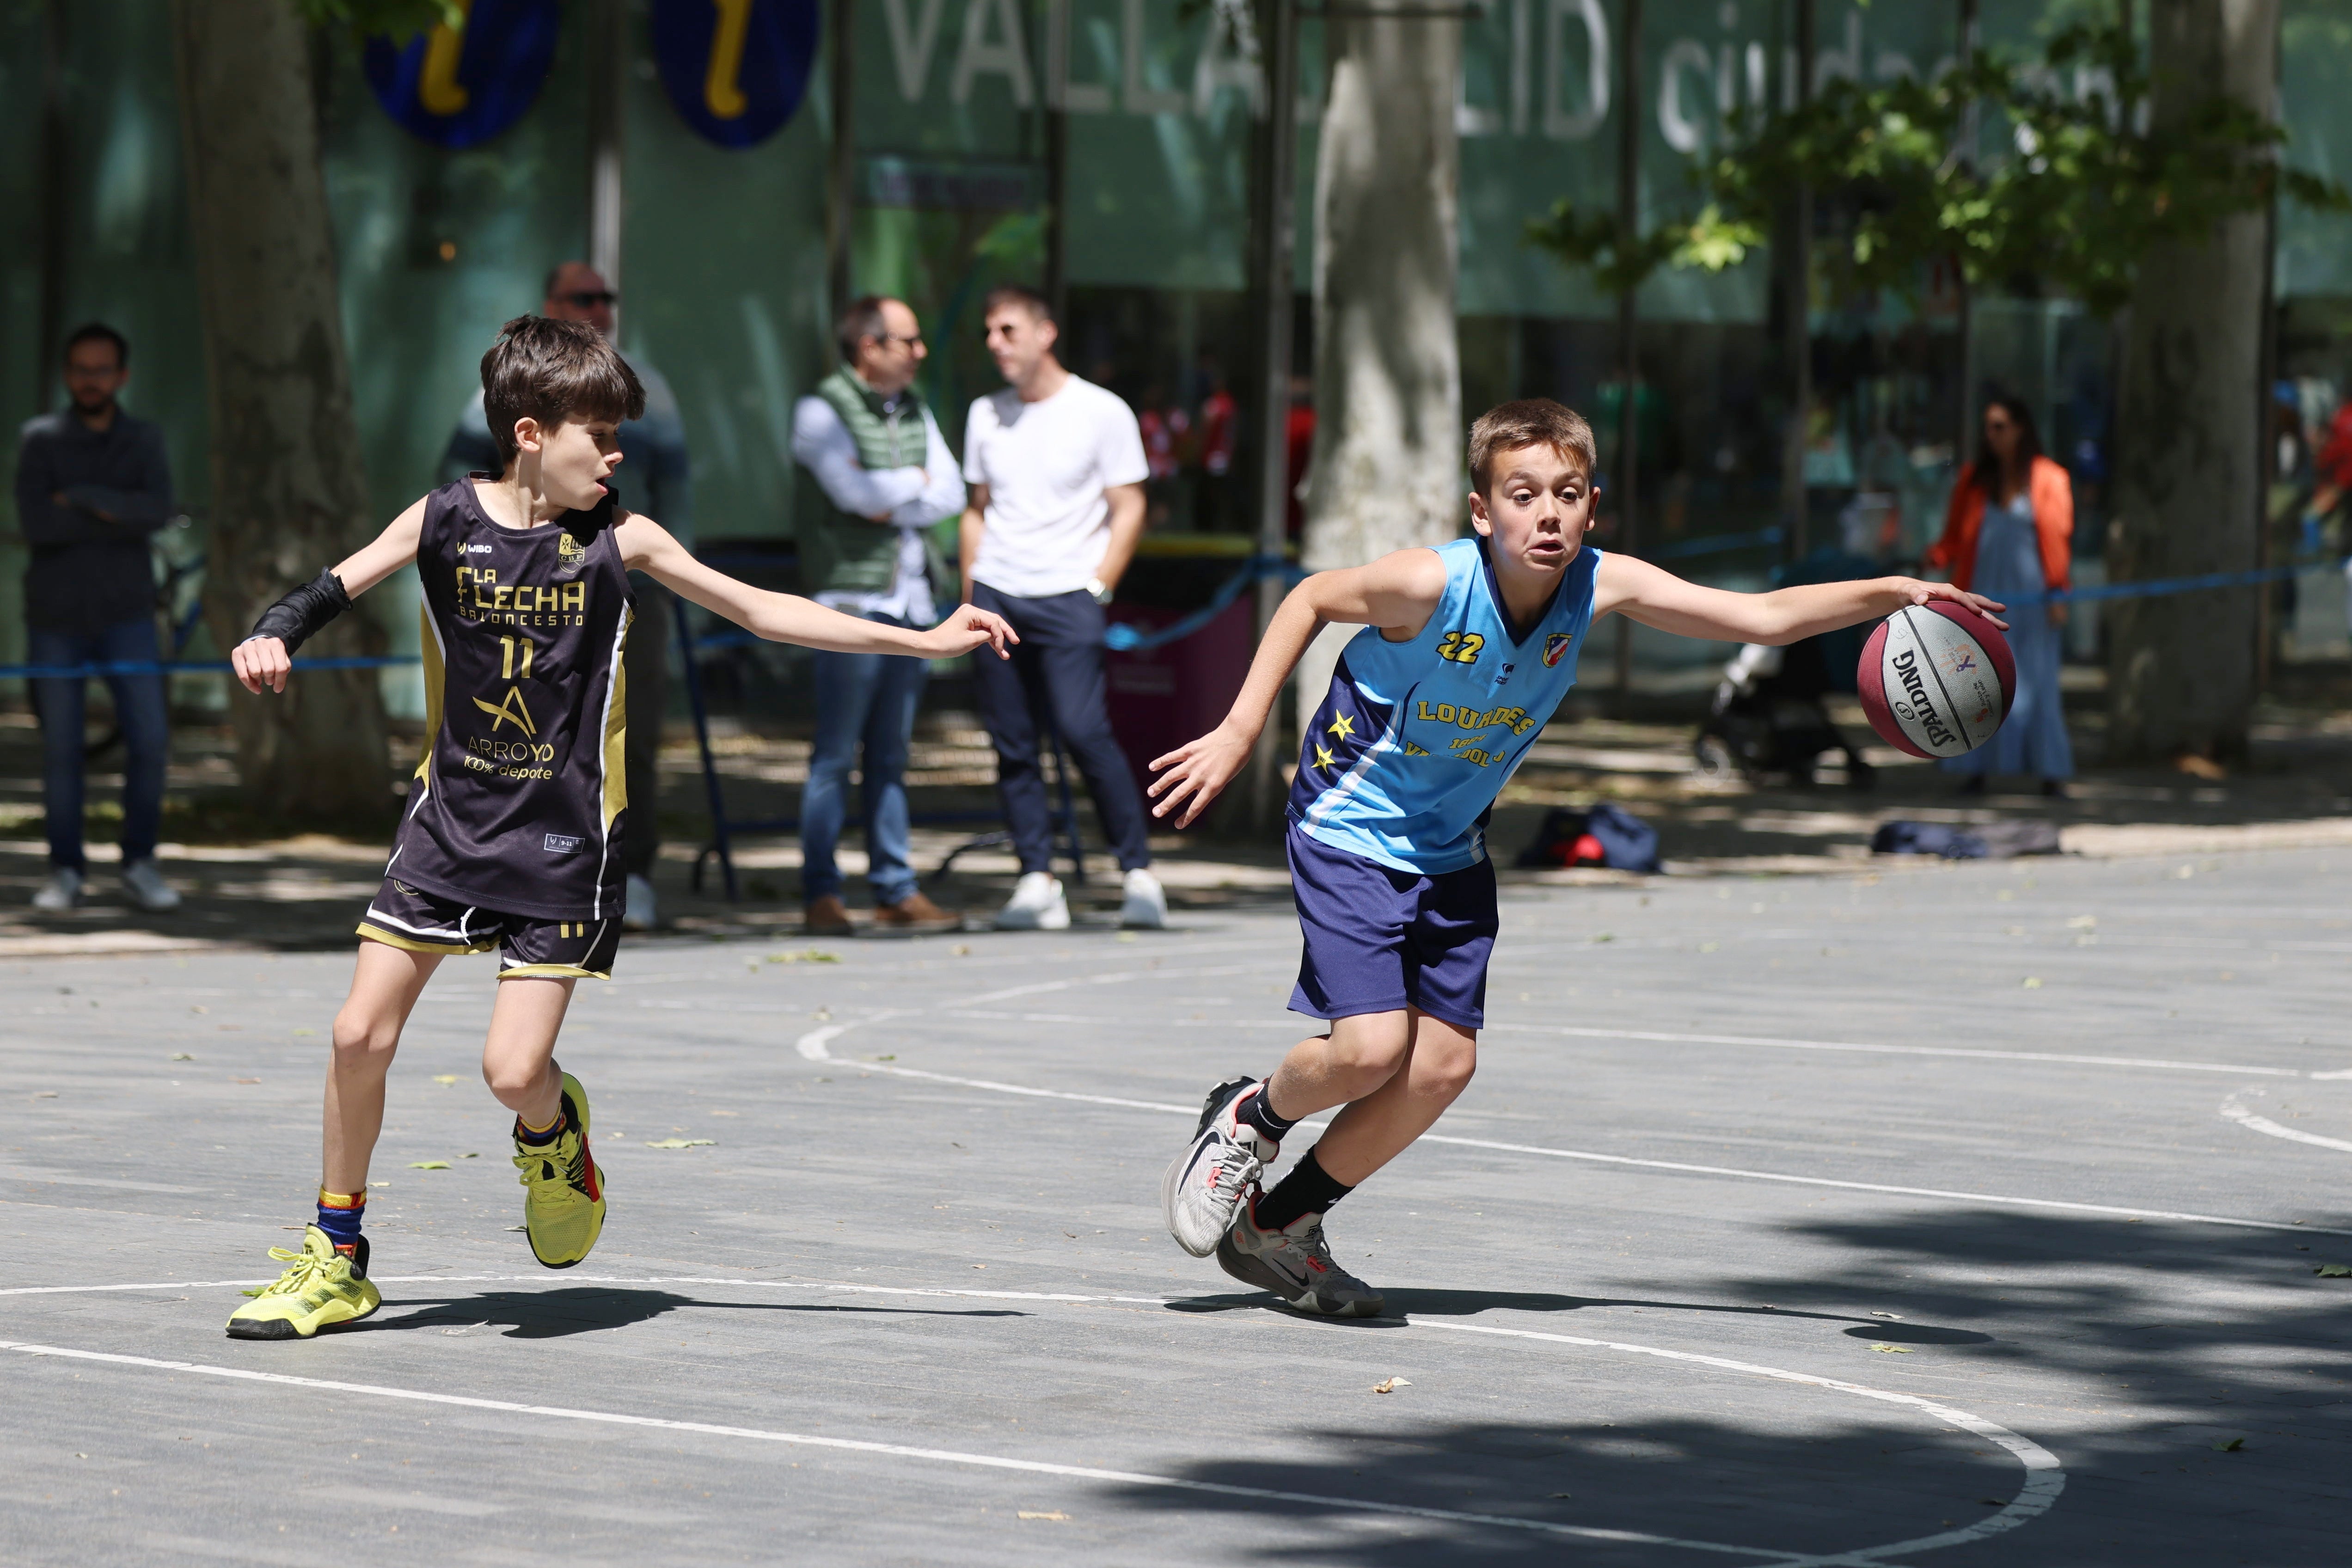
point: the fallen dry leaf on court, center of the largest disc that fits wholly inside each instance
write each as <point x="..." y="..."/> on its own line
<point x="1391" y="1385"/>
<point x="2083" y="922"/>
<point x="2228" y="1444"/>
<point x="804" y="955"/>
<point x="182" y="1057"/>
<point x="2333" y="1271"/>
<point x="960" y="950"/>
<point x="444" y="1077"/>
<point x="682" y="1143"/>
<point x="1897" y="1317"/>
<point x="306" y="1031"/>
<point x="246" y="1081"/>
<point x="1892" y="1350"/>
<point x="1040" y="1513"/>
<point x="2033" y="982"/>
<point x="428" y="1165"/>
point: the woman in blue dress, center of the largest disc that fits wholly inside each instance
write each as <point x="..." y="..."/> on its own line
<point x="2008" y="534"/>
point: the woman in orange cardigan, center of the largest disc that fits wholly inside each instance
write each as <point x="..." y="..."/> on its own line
<point x="2008" y="534"/>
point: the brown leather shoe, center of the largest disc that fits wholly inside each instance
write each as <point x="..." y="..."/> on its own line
<point x="916" y="913"/>
<point x="828" y="916"/>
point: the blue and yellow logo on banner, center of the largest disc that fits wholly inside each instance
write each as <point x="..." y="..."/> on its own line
<point x="736" y="69"/>
<point x="458" y="86"/>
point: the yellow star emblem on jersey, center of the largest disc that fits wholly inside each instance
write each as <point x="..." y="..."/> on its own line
<point x="1323" y="758"/>
<point x="1344" y="726"/>
<point x="510" y="707"/>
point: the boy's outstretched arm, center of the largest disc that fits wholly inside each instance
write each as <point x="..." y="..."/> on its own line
<point x="1398" y="592"/>
<point x="264" y="659"/>
<point x="648" y="547"/>
<point x="1654" y="597"/>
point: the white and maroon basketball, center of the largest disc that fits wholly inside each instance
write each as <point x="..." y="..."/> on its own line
<point x="1937" y="678"/>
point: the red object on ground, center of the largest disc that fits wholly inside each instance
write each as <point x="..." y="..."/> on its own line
<point x="1586" y="848"/>
<point x="1162" y="697"/>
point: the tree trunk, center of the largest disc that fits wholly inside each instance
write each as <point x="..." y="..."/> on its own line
<point x="289" y="494"/>
<point x="2181" y="669"/>
<point x="1387" y="470"/>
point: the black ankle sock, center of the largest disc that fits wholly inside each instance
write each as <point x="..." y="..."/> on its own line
<point x="1308" y="1189"/>
<point x="1258" y="1113"/>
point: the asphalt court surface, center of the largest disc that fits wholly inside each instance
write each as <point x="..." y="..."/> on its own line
<point x="1960" y="1216"/>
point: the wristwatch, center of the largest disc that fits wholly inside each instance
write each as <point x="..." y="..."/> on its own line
<point x="1096" y="591"/>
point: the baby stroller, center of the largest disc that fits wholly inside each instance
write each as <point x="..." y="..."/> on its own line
<point x="1768" y="719"/>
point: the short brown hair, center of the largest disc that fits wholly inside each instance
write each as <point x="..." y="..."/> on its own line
<point x="553" y="371"/>
<point x="1528" y="422"/>
<point x="861" y="319"/>
<point x="1040" y="308"/>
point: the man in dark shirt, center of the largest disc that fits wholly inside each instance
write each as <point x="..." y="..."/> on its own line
<point x="93" y="483"/>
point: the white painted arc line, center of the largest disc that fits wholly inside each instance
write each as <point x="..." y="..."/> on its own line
<point x="2247" y="1119"/>
<point x="966" y="1010"/>
<point x="2045" y="1477"/>
<point x="908" y="1452"/>
<point x="2160" y="1063"/>
<point x="814" y="1045"/>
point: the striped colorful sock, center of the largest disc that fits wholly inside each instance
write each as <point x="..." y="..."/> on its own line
<point x="339" y="1215"/>
<point x="526" y="1134"/>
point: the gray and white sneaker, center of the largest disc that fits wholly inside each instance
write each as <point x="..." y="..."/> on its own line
<point x="143" y="880"/>
<point x="1206" y="1182"/>
<point x="62" y="891"/>
<point x="1295" y="1264"/>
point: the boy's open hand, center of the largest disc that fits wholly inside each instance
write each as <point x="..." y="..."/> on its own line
<point x="1197" y="772"/>
<point x="967" y="629"/>
<point x="1918" y="592"/>
<point x="260" y="662"/>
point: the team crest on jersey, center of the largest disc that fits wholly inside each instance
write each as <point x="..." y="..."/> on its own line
<point x="1556" y="648"/>
<point x="569" y="551"/>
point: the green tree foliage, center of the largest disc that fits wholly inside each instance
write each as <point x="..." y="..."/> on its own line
<point x="2086" y="186"/>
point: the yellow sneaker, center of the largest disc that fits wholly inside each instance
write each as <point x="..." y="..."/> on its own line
<point x="563" y="1205"/>
<point x="321" y="1289"/>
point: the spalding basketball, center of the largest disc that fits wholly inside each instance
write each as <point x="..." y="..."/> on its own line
<point x="1937" y="678"/>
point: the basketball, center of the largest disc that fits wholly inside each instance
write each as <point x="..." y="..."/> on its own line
<point x="1937" y="679"/>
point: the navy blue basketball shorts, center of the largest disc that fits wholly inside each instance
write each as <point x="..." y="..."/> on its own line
<point x="1379" y="940"/>
<point x="413" y="919"/>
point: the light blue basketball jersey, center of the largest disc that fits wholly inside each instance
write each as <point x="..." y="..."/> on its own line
<point x="1405" y="758"/>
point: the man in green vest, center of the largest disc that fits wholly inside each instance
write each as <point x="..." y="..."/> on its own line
<point x="884" y="468"/>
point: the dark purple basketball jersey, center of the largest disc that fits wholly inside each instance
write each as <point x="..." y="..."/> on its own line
<point x="520" y="801"/>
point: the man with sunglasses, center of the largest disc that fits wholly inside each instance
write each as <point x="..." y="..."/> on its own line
<point x="654" y="480"/>
<point x="877" y="454"/>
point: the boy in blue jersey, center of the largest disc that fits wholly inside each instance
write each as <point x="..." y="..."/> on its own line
<point x="1467" y="649"/>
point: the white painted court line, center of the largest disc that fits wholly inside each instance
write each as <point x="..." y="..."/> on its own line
<point x="2044" y="1475"/>
<point x="2153" y="1064"/>
<point x="937" y="1456"/>
<point x="2247" y="1119"/>
<point x="816" y="1046"/>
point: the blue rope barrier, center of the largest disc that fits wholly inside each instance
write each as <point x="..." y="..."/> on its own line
<point x="210" y="667"/>
<point x="1714" y="545"/>
<point x="1123" y="638"/>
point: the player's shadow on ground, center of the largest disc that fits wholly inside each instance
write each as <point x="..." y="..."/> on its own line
<point x="587" y="1309"/>
<point x="1409" y="1303"/>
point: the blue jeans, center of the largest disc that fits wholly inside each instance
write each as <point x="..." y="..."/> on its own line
<point x="146" y="736"/>
<point x="869" y="699"/>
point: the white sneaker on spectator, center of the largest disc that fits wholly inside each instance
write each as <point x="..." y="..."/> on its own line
<point x="638" y="911"/>
<point x="62" y="891"/>
<point x="1146" y="905"/>
<point x="1037" y="904"/>
<point x="143" y="880"/>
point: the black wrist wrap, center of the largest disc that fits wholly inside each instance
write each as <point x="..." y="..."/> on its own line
<point x="297" y="617"/>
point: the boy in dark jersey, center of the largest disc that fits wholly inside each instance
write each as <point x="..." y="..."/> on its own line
<point x="511" y="836"/>
<point x="1466" y="649"/>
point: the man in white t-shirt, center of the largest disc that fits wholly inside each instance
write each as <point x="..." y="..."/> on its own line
<point x="1057" y="469"/>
